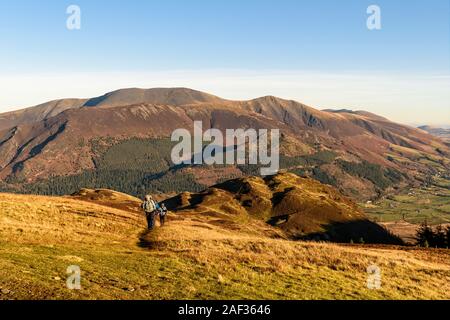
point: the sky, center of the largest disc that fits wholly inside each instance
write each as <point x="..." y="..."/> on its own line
<point x="318" y="52"/>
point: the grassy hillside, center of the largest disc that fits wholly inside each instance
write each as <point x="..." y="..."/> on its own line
<point x="137" y="166"/>
<point x="134" y="166"/>
<point x="303" y="208"/>
<point x="195" y="256"/>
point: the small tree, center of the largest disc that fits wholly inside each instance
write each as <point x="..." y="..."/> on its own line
<point x="425" y="235"/>
<point x="447" y="236"/>
<point x="440" y="237"/>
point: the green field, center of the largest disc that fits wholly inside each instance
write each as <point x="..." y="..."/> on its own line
<point x="430" y="204"/>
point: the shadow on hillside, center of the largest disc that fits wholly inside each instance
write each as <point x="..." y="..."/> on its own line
<point x="361" y="231"/>
<point x="178" y="202"/>
<point x="235" y="186"/>
<point x="279" y="196"/>
<point x="95" y="101"/>
<point x="145" y="240"/>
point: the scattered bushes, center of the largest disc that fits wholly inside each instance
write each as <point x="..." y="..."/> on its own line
<point x="317" y="159"/>
<point x="321" y="157"/>
<point x="133" y="182"/>
<point x="379" y="176"/>
<point x="135" y="166"/>
<point x="323" y="177"/>
<point x="437" y="238"/>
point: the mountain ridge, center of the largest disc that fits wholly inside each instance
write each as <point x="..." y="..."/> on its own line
<point x="177" y="96"/>
<point x="58" y="138"/>
<point x="441" y="133"/>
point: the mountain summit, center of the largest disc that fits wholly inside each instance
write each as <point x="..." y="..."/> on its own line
<point x="161" y="96"/>
<point x="122" y="97"/>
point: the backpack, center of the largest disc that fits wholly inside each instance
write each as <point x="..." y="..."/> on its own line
<point x="149" y="206"/>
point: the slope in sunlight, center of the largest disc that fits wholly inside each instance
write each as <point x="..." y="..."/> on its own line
<point x="302" y="208"/>
<point x="199" y="254"/>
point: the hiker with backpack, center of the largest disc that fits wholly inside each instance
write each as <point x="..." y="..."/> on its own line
<point x="162" y="214"/>
<point x="150" y="208"/>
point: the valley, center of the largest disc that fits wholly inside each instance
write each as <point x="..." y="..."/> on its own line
<point x="431" y="204"/>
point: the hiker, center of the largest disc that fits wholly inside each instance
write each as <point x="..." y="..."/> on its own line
<point x="162" y="214"/>
<point x="150" y="208"/>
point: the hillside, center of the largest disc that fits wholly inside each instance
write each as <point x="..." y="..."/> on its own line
<point x="441" y="133"/>
<point x="66" y="145"/>
<point x="123" y="97"/>
<point x="195" y="256"/>
<point x="38" y="113"/>
<point x="159" y="96"/>
<point x="301" y="208"/>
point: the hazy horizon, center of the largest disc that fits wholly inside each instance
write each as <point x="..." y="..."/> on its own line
<point x="251" y="91"/>
<point x="319" y="53"/>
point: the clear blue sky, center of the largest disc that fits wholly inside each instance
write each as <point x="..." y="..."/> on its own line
<point x="325" y="36"/>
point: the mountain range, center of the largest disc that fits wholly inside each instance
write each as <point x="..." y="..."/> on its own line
<point x="120" y="141"/>
<point x="442" y="133"/>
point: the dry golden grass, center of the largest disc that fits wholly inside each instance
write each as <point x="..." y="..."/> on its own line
<point x="35" y="219"/>
<point x="341" y="270"/>
<point x="197" y="255"/>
